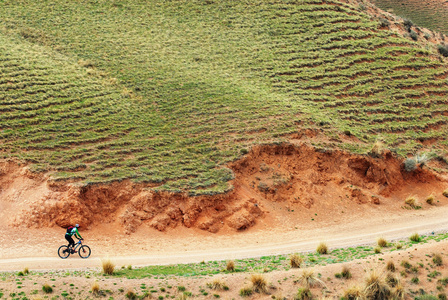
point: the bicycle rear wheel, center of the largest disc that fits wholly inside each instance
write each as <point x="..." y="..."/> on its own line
<point x="63" y="252"/>
<point x="84" y="251"/>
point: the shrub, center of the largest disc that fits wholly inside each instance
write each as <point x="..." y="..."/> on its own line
<point x="415" y="238"/>
<point x="443" y="50"/>
<point x="442" y="296"/>
<point x="230" y="266"/>
<point x="412" y="202"/>
<point x="346" y="272"/>
<point x="410" y="165"/>
<point x="354" y="293"/>
<point x="382" y="242"/>
<point x="413" y="35"/>
<point x="430" y="199"/>
<point x="259" y="283"/>
<point x="376" y="287"/>
<point x="390" y="266"/>
<point x="47" y="289"/>
<point x="303" y="294"/>
<point x="108" y="267"/>
<point x="95" y="288"/>
<point x="246" y="291"/>
<point x="377" y="149"/>
<point x="415" y="280"/>
<point x="408" y="24"/>
<point x="437" y="259"/>
<point x="295" y="260"/>
<point x="322" y="248"/>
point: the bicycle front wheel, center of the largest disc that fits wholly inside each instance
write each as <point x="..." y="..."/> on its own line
<point x="63" y="252"/>
<point x="84" y="251"/>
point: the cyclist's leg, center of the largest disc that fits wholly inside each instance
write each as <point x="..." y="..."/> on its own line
<point x="71" y="242"/>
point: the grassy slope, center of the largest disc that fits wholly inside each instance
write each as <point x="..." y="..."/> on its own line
<point x="169" y="91"/>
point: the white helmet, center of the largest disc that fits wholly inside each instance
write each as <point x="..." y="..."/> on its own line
<point x="77" y="225"/>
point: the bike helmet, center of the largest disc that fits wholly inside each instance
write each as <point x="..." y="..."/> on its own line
<point x="77" y="225"/>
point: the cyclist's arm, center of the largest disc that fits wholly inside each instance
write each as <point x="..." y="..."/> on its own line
<point x="77" y="235"/>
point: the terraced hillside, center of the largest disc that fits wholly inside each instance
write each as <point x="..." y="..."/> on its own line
<point x="168" y="92"/>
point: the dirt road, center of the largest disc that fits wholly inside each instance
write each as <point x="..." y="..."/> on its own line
<point x="36" y="249"/>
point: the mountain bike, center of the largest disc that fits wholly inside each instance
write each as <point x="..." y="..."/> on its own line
<point x="83" y="250"/>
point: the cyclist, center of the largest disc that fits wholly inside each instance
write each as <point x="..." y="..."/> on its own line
<point x="72" y="230"/>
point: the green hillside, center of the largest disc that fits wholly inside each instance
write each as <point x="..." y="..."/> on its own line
<point x="168" y="92"/>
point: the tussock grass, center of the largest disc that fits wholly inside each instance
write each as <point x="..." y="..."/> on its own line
<point x="131" y="295"/>
<point x="382" y="242"/>
<point x="376" y="287"/>
<point x="430" y="199"/>
<point x="412" y="202"/>
<point x="346" y="272"/>
<point x="95" y="289"/>
<point x="217" y="284"/>
<point x="47" y="289"/>
<point x="230" y="266"/>
<point x="259" y="283"/>
<point x="309" y="279"/>
<point x="303" y="294"/>
<point x="246" y="291"/>
<point x="322" y="248"/>
<point x="354" y="293"/>
<point x="108" y="267"/>
<point x="415" y="237"/>
<point x="390" y="266"/>
<point x="437" y="259"/>
<point x="295" y="260"/>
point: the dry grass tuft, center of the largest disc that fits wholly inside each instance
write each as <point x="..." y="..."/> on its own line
<point x="391" y="280"/>
<point x="437" y="259"/>
<point x="218" y="284"/>
<point x="246" y="291"/>
<point x="431" y="199"/>
<point x="309" y="280"/>
<point x="303" y="294"/>
<point x="108" y="267"/>
<point x="390" y="266"/>
<point x="415" y="237"/>
<point x="377" y="149"/>
<point x="95" y="288"/>
<point x="354" y="293"/>
<point x="130" y="294"/>
<point x="412" y="202"/>
<point x="445" y="193"/>
<point x="377" y="249"/>
<point x="322" y="248"/>
<point x="346" y="272"/>
<point x="382" y="242"/>
<point x="259" y="283"/>
<point x="398" y="293"/>
<point x="230" y="266"/>
<point x="295" y="260"/>
<point x="376" y="287"/>
<point x="26" y="270"/>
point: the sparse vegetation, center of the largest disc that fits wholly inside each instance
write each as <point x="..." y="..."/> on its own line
<point x="354" y="293"/>
<point x="217" y="284"/>
<point x="376" y="287"/>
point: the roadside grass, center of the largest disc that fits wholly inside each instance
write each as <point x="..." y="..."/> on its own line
<point x="270" y="263"/>
<point x="111" y="92"/>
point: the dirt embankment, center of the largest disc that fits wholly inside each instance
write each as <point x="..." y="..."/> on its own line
<point x="296" y="177"/>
